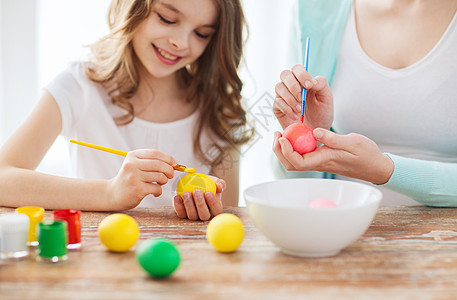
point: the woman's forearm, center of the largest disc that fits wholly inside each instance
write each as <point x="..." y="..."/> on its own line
<point x="429" y="182"/>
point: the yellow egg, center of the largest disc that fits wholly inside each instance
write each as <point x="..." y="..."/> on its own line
<point x="118" y="232"/>
<point x="193" y="181"/>
<point x="225" y="232"/>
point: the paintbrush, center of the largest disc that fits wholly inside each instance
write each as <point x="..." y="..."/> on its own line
<point x="124" y="153"/>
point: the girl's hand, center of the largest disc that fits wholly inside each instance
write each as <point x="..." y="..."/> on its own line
<point x="319" y="99"/>
<point x="352" y="155"/>
<point x="201" y="206"/>
<point x="142" y="173"/>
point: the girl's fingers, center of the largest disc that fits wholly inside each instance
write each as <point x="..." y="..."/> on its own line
<point x="220" y="184"/>
<point x="189" y="205"/>
<point x="214" y="203"/>
<point x="155" y="177"/>
<point x="149" y="188"/>
<point x="178" y="204"/>
<point x="154" y="154"/>
<point x="153" y="160"/>
<point x="200" y="204"/>
<point x="154" y="165"/>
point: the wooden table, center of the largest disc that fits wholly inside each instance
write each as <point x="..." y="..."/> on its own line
<point x="407" y="253"/>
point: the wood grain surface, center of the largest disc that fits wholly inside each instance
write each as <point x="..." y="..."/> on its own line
<point x="407" y="253"/>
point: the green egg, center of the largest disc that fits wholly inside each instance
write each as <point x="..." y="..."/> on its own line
<point x="159" y="257"/>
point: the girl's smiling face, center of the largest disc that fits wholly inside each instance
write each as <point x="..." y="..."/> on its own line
<point x="174" y="35"/>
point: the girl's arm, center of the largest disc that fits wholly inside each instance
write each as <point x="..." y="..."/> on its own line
<point x="429" y="182"/>
<point x="142" y="173"/>
<point x="23" y="152"/>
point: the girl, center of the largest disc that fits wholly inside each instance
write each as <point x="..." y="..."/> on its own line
<point x="163" y="85"/>
<point x="394" y="84"/>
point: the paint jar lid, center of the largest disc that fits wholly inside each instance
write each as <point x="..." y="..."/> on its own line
<point x="72" y="217"/>
<point x="14" y="222"/>
<point x="52" y="238"/>
<point x="66" y="213"/>
<point x="35" y="213"/>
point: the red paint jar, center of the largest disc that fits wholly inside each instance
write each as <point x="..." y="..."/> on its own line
<point x="73" y="219"/>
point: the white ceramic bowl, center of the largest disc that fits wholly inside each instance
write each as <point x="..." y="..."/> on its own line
<point x="280" y="211"/>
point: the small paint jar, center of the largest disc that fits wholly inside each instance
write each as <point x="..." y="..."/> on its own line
<point x="52" y="241"/>
<point x="35" y="214"/>
<point x="13" y="235"/>
<point x="73" y="219"/>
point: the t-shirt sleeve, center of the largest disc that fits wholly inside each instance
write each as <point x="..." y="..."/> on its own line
<point x="68" y="93"/>
<point x="429" y="182"/>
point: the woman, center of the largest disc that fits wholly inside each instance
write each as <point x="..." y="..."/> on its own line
<point x="393" y="86"/>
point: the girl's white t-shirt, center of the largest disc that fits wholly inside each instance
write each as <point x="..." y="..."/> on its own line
<point x="87" y="115"/>
<point x="410" y="112"/>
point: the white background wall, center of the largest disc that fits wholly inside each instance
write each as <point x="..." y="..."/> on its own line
<point x="39" y="37"/>
<point x="17" y="62"/>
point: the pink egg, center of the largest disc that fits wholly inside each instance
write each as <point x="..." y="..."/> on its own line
<point x="301" y="137"/>
<point x="322" y="203"/>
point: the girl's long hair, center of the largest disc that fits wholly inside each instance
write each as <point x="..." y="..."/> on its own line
<point x="212" y="80"/>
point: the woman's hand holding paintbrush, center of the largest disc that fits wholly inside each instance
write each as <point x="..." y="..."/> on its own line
<point x="347" y="155"/>
<point x="302" y="104"/>
<point x="287" y="106"/>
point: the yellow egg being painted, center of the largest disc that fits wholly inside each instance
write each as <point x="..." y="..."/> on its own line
<point x="193" y="181"/>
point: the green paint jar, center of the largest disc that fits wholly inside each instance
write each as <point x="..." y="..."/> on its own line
<point x="52" y="241"/>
